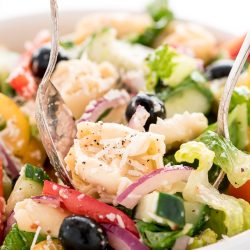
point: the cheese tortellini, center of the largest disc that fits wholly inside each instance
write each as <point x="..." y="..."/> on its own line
<point x="107" y="157"/>
<point x="81" y="81"/>
<point x="124" y="23"/>
<point x="180" y="128"/>
<point x="191" y="37"/>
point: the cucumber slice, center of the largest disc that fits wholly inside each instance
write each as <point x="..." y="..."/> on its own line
<point x="29" y="183"/>
<point x="7" y="185"/>
<point x="163" y="209"/>
<point x="238" y="126"/>
<point x="24" y="188"/>
<point x="104" y="46"/>
<point x="181" y="99"/>
<point x="35" y="174"/>
<point x="195" y="214"/>
<point x="171" y="207"/>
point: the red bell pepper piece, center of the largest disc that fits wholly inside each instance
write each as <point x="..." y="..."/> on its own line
<point x="233" y="47"/>
<point x="21" y="79"/>
<point x="241" y="192"/>
<point x="82" y="204"/>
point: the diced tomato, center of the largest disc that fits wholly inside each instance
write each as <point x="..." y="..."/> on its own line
<point x="241" y="192"/>
<point x="2" y="203"/>
<point x="233" y="47"/>
<point x="21" y="79"/>
<point x="82" y="204"/>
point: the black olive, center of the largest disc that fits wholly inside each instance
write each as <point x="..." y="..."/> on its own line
<point x="82" y="233"/>
<point x="219" y="69"/>
<point x="151" y="103"/>
<point x="40" y="60"/>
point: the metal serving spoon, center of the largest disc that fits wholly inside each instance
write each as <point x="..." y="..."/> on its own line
<point x="233" y="77"/>
<point x="54" y="120"/>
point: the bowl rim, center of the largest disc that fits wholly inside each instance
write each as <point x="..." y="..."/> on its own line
<point x="72" y="16"/>
<point x="67" y="22"/>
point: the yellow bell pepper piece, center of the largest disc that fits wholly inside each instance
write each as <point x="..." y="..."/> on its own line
<point x="35" y="153"/>
<point x="17" y="134"/>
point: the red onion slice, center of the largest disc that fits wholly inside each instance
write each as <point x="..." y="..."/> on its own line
<point x="148" y="183"/>
<point x="139" y="119"/>
<point x="47" y="200"/>
<point x="9" y="223"/>
<point x="113" y="99"/>
<point x="10" y="163"/>
<point x="181" y="243"/>
<point x="120" y="238"/>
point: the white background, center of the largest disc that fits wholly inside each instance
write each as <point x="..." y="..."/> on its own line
<point x="230" y="15"/>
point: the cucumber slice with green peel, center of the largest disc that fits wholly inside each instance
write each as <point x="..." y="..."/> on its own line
<point x="35" y="174"/>
<point x="195" y="214"/>
<point x="181" y="99"/>
<point x="163" y="209"/>
<point x="238" y="126"/>
<point x="7" y="185"/>
<point x="29" y="183"/>
<point x="171" y="207"/>
<point x="104" y="46"/>
<point x="24" y="188"/>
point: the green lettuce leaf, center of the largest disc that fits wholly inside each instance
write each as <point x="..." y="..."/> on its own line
<point x="19" y="240"/>
<point x="198" y="188"/>
<point x="35" y="174"/>
<point x="168" y="66"/>
<point x="160" y="238"/>
<point x="161" y="16"/>
<point x="159" y="9"/>
<point x="235" y="163"/>
<point x="215" y="217"/>
<point x="67" y="44"/>
<point x="246" y="213"/>
<point x="5" y="87"/>
<point x="205" y="238"/>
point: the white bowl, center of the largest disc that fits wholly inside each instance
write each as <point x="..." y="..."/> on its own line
<point x="15" y="32"/>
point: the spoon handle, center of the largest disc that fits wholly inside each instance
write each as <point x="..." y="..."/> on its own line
<point x="54" y="43"/>
<point x="222" y="119"/>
